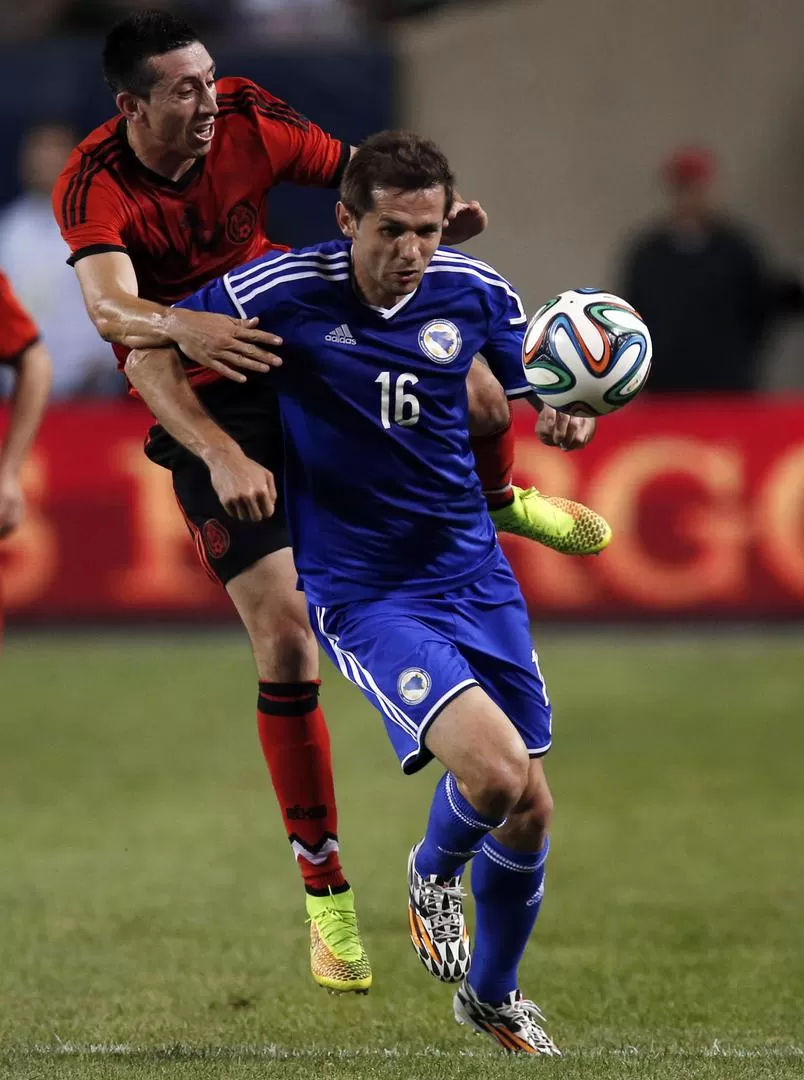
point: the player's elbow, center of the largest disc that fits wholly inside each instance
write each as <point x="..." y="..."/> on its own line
<point x="102" y="320"/>
<point x="104" y="315"/>
<point x="136" y="360"/>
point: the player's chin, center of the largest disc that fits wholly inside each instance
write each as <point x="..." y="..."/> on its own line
<point x="198" y="145"/>
<point x="199" y="149"/>
<point x="406" y="281"/>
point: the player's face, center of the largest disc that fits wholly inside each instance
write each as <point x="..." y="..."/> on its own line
<point x="393" y="244"/>
<point x="180" y="114"/>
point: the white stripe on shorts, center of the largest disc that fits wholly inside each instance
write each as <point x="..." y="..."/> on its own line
<point x="354" y="671"/>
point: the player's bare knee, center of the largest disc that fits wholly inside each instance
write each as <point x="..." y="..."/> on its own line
<point x="489" y="411"/>
<point x="535" y="811"/>
<point x="499" y="784"/>
<point x="528" y="823"/>
<point x="284" y="648"/>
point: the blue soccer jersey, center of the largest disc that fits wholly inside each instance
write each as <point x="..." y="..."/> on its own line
<point x="382" y="494"/>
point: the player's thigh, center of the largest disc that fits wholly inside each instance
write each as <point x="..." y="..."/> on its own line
<point x="274" y="614"/>
<point x="254" y="562"/>
<point x="400" y="654"/>
<point x="493" y="633"/>
<point x="225" y="546"/>
<point x="475" y="740"/>
<point x="489" y="411"/>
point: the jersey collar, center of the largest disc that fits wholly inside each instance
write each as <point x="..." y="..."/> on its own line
<point x="384" y="312"/>
<point x="183" y="182"/>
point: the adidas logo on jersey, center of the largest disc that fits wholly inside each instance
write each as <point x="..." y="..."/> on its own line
<point x="341" y="335"/>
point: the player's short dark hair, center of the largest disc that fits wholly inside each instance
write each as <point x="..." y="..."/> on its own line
<point x="396" y="161"/>
<point x="133" y="43"/>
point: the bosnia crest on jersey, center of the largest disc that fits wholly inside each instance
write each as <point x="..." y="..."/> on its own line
<point x="414" y="685"/>
<point x="440" y="340"/>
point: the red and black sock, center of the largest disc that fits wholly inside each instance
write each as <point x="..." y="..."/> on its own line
<point x="295" y="742"/>
<point x="494" y="464"/>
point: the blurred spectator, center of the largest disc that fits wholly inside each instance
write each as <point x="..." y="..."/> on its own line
<point x="33" y="252"/>
<point x="299" y="20"/>
<point x="698" y="280"/>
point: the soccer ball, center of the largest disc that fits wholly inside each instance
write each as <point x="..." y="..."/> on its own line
<point x="587" y="352"/>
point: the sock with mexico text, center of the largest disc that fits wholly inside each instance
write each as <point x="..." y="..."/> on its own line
<point x="295" y="743"/>
<point x="454" y="832"/>
<point x="508" y="887"/>
<point x="494" y="465"/>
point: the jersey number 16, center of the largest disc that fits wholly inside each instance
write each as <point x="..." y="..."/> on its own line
<point x="406" y="405"/>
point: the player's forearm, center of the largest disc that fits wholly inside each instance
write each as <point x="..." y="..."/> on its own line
<point x="131" y="321"/>
<point x="28" y="402"/>
<point x="159" y="378"/>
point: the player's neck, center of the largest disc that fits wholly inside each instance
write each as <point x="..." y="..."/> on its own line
<point x="156" y="157"/>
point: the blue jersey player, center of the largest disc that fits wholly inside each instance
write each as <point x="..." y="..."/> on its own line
<point x="408" y="590"/>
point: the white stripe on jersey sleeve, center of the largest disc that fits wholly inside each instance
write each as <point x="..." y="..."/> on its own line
<point x="237" y="305"/>
<point x="460" y="256"/>
<point x="500" y="283"/>
<point x="244" y="299"/>
<point x="269" y="263"/>
<point x="262" y="272"/>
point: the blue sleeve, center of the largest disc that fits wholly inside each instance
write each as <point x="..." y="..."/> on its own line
<point x="503" y="349"/>
<point x="213" y="297"/>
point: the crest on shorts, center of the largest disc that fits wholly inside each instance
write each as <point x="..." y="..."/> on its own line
<point x="440" y="340"/>
<point x="414" y="685"/>
<point x="216" y="538"/>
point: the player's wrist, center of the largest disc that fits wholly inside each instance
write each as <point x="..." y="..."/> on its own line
<point x="218" y="453"/>
<point x="172" y="323"/>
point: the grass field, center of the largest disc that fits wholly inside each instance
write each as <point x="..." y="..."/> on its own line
<point x="151" y="918"/>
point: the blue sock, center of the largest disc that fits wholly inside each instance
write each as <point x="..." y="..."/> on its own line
<point x="508" y="887"/>
<point x="454" y="832"/>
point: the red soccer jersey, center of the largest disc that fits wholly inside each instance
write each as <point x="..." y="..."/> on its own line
<point x="181" y="234"/>
<point x="17" y="328"/>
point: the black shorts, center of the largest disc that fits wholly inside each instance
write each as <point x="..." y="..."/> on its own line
<point x="249" y="412"/>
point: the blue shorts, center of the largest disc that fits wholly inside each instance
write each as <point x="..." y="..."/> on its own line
<point x="411" y="656"/>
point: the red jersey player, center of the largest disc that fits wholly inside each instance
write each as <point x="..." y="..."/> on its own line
<point x="155" y="202"/>
<point x="22" y="350"/>
<point x="162" y="198"/>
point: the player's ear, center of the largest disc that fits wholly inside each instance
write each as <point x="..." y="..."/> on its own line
<point x="347" y="222"/>
<point x="129" y="105"/>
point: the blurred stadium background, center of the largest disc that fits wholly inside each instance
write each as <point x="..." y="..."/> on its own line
<point x="149" y="906"/>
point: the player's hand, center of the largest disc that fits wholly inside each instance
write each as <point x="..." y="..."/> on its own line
<point x="247" y="491"/>
<point x="12" y="504"/>
<point x="465" y="220"/>
<point x="568" y="432"/>
<point x="223" y="344"/>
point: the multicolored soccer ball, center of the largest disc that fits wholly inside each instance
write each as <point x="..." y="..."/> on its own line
<point x="587" y="352"/>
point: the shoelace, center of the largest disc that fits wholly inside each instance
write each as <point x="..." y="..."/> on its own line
<point x="524" y="1013"/>
<point x="442" y="906"/>
<point x="338" y="928"/>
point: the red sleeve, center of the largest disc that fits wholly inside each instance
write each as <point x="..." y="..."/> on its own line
<point x="89" y="208"/>
<point x="19" y="329"/>
<point x="298" y="150"/>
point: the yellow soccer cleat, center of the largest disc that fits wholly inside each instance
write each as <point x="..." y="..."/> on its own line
<point x="337" y="958"/>
<point x="561" y="524"/>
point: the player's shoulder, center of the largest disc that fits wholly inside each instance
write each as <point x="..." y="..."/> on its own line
<point x="91" y="163"/>
<point x="455" y="269"/>
<point x="100" y="147"/>
<point x="298" y="271"/>
<point x="243" y="97"/>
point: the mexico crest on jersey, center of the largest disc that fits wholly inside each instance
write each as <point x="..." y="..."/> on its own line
<point x="440" y="340"/>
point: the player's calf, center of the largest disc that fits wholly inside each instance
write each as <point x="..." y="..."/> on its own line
<point x="475" y="739"/>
